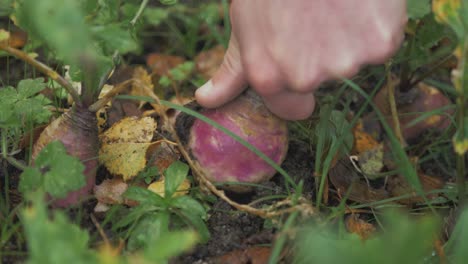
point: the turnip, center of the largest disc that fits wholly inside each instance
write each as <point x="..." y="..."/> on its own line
<point x="221" y="157"/>
<point x="77" y="130"/>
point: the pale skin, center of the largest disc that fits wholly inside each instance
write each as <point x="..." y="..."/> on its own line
<point x="285" y="49"/>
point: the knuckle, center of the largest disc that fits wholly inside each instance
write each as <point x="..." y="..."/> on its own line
<point x="345" y="67"/>
<point x="264" y="79"/>
<point x="305" y="83"/>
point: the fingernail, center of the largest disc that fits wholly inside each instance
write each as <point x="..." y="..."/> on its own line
<point x="205" y="90"/>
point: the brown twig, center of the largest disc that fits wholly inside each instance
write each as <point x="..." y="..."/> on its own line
<point x="270" y="212"/>
<point x="45" y="70"/>
<point x="108" y="96"/>
<point x="100" y="230"/>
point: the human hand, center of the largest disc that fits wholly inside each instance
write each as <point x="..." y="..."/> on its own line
<point x="285" y="49"/>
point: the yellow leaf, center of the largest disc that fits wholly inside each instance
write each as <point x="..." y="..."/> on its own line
<point x="4" y="35"/>
<point x="124" y="145"/>
<point x="461" y="146"/>
<point x="158" y="187"/>
<point x="446" y="11"/>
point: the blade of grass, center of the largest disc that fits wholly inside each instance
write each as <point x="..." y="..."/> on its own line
<point x="281" y="240"/>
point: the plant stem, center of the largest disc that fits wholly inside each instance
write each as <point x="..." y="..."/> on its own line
<point x="111" y="94"/>
<point x="44" y="69"/>
<point x="461" y="85"/>
<point x="430" y="71"/>
<point x="405" y="75"/>
<point x="139" y="12"/>
<point x="393" y="108"/>
<point x="461" y="180"/>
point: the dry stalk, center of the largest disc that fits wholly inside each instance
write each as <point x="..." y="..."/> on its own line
<point x="44" y="69"/>
<point x="391" y="83"/>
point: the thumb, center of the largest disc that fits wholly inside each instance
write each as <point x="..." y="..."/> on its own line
<point x="227" y="83"/>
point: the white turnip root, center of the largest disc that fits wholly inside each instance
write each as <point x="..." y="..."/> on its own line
<point x="77" y="130"/>
<point x="221" y="157"/>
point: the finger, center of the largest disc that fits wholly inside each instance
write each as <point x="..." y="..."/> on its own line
<point x="227" y="83"/>
<point x="291" y="105"/>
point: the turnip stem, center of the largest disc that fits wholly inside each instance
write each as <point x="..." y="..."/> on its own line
<point x="44" y="69"/>
<point x="111" y="94"/>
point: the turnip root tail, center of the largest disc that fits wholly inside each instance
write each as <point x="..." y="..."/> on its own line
<point x="77" y="130"/>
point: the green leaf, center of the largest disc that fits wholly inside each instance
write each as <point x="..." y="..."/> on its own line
<point x="188" y="204"/>
<point x="193" y="214"/>
<point x="182" y="71"/>
<point x="30" y="180"/>
<point x="196" y="222"/>
<point x="8" y="95"/>
<point x="164" y="81"/>
<point x="174" y="175"/>
<point x="169" y="245"/>
<point x="131" y="216"/>
<point x="457" y="245"/>
<point x="149" y="174"/>
<point x="53" y="240"/>
<point x="168" y="2"/>
<point x="30" y="87"/>
<point x="155" y="16"/>
<point x="114" y="37"/>
<point x="62" y="173"/>
<point x="22" y="105"/>
<point x="403" y="241"/>
<point x="60" y="24"/>
<point x="144" y="196"/>
<point x="418" y="8"/>
<point x="6" y="7"/>
<point x="147" y="230"/>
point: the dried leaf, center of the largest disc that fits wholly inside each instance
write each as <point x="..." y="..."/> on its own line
<point x="399" y="186"/>
<point x="17" y="39"/>
<point x="426" y="99"/>
<point x="207" y="62"/>
<point x="349" y="185"/>
<point x="143" y="79"/>
<point x="160" y="64"/>
<point x="416" y="110"/>
<point x="251" y="255"/>
<point x="363" y="140"/>
<point x="124" y="145"/>
<point x="356" y="225"/>
<point x="161" y="154"/>
<point x="110" y="191"/>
